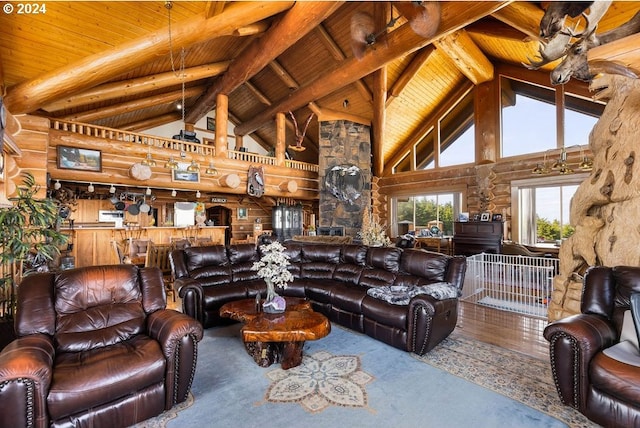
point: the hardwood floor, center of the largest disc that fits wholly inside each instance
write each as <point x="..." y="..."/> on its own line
<point x="505" y="329"/>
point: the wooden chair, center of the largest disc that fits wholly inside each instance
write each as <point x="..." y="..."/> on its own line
<point x="179" y="242"/>
<point x="158" y="256"/>
<point x="121" y="255"/>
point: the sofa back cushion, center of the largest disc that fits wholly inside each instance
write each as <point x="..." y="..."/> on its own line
<point x="325" y="253"/>
<point x="371" y="277"/>
<point x="354" y="254"/>
<point x="432" y="266"/>
<point x="384" y="258"/>
<point x="97" y="306"/>
<point x="242" y="257"/>
<point x="347" y="272"/>
<point x="209" y="265"/>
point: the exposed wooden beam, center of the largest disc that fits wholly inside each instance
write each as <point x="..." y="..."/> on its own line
<point x="100" y="67"/>
<point x="493" y="28"/>
<point x="137" y="86"/>
<point x="326" y="114"/>
<point x="252" y="30"/>
<point x="522" y="15"/>
<point x="296" y="23"/>
<point x="337" y="53"/>
<point x="467" y="56"/>
<point x="151" y="122"/>
<point x="214" y="8"/>
<point x="382" y="12"/>
<point x="455" y="15"/>
<point x="257" y="93"/>
<point x="419" y="59"/>
<point x="132" y="105"/>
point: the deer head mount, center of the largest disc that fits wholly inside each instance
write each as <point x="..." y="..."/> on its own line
<point x="423" y="17"/>
<point x="298" y="147"/>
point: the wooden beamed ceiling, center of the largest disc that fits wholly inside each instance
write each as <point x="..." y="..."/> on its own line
<point x="118" y="64"/>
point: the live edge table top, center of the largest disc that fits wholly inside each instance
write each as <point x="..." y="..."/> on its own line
<point x="272" y="338"/>
<point x="298" y="323"/>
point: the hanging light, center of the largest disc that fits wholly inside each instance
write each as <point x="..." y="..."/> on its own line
<point x="194" y="167"/>
<point x="541" y="168"/>
<point x="561" y="163"/>
<point x="174" y="193"/>
<point x="148" y="160"/>
<point x="197" y="194"/>
<point x="90" y="188"/>
<point x="112" y="189"/>
<point x="587" y="162"/>
<point x="57" y="185"/>
<point x="211" y="170"/>
<point x="171" y="163"/>
<point x="148" y="191"/>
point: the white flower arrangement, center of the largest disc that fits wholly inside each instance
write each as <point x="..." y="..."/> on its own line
<point x="272" y="266"/>
<point x="373" y="233"/>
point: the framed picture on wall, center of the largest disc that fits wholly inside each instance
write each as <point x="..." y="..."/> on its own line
<point x="463" y="217"/>
<point x="79" y="159"/>
<point x="181" y="174"/>
<point x="485" y="216"/>
<point x="211" y="124"/>
<point x="496" y="217"/>
<point x="242" y="214"/>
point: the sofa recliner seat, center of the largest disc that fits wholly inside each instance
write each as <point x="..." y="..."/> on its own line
<point x="96" y="347"/>
<point x="335" y="278"/>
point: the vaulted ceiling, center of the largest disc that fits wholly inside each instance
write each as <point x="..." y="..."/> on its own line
<point x="120" y="63"/>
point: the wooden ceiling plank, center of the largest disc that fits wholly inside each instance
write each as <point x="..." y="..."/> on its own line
<point x="133" y="105"/>
<point x="522" y="15"/>
<point x="214" y="8"/>
<point x="455" y="15"/>
<point x="258" y="93"/>
<point x="137" y="86"/>
<point x="99" y="68"/>
<point x="338" y="55"/>
<point x="409" y="72"/>
<point x="467" y="56"/>
<point x="296" y="23"/>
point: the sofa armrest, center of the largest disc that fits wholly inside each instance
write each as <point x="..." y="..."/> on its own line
<point x="178" y="335"/>
<point x="573" y="342"/>
<point x="26" y="369"/>
<point x="429" y="322"/>
<point x="192" y="295"/>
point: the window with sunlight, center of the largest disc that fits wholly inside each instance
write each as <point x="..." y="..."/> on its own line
<point x="417" y="213"/>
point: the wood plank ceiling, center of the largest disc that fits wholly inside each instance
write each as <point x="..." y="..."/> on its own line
<point x="117" y="63"/>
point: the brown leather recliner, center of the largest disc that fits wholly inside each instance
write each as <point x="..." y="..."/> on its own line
<point x="584" y="350"/>
<point x="96" y="347"/>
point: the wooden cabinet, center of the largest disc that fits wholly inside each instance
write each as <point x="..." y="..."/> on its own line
<point x="475" y="237"/>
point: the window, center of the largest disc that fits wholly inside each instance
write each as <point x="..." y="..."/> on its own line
<point x="542" y="209"/>
<point x="453" y="134"/>
<point x="529" y="118"/>
<point x="424" y="211"/>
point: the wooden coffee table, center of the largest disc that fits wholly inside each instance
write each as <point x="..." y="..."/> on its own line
<point x="272" y="338"/>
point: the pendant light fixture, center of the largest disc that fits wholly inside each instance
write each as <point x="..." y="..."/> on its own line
<point x="171" y="163"/>
<point x="211" y="170"/>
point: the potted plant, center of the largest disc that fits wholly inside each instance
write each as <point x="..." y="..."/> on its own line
<point x="29" y="241"/>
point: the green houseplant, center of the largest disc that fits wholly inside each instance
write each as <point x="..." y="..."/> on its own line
<point x="29" y="241"/>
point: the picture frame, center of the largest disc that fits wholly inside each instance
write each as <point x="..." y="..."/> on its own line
<point x="463" y="217"/>
<point x="496" y="217"/>
<point x="211" y="124"/>
<point x="243" y="214"/>
<point x="485" y="216"/>
<point x="79" y="159"/>
<point x="180" y="174"/>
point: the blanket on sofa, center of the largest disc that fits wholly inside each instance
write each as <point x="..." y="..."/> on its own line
<point x="402" y="294"/>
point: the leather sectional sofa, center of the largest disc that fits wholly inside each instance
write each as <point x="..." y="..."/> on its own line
<point x="336" y="279"/>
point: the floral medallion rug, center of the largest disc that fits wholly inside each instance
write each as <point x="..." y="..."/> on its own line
<point x="322" y="380"/>
<point x="350" y="379"/>
<point x="512" y="374"/>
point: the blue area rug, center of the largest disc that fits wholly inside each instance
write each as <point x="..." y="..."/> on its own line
<point x="346" y="379"/>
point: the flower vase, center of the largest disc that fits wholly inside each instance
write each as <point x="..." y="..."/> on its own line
<point x="274" y="303"/>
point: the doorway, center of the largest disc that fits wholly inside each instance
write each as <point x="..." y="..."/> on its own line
<point x="221" y="216"/>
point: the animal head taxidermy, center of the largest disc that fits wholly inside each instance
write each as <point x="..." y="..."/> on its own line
<point x="423" y="17"/>
<point x="298" y="147"/>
